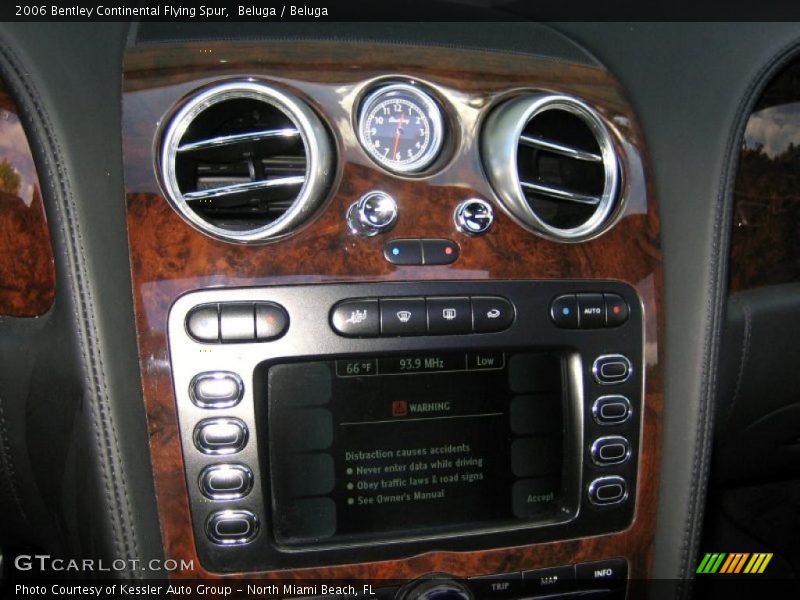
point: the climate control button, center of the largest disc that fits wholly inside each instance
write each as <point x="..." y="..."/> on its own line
<point x="439" y="251"/>
<point x="449" y="315"/>
<point x="237" y="322"/>
<point x="437" y="315"/>
<point x="357" y="318"/>
<point x="403" y="251"/>
<point x="474" y="216"/>
<point x="272" y="321"/>
<point x="403" y="316"/>
<point x="564" y="311"/>
<point x="202" y="323"/>
<point x="616" y="310"/>
<point x="491" y="314"/>
<point x="591" y="311"/>
<point x="374" y="213"/>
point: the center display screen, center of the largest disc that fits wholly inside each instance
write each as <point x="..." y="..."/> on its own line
<point x="409" y="445"/>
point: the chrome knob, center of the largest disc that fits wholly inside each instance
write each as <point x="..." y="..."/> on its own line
<point x="474" y="216"/>
<point x="374" y="213"/>
<point x="438" y="587"/>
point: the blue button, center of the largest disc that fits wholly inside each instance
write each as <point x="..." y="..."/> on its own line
<point x="564" y="311"/>
<point x="403" y="252"/>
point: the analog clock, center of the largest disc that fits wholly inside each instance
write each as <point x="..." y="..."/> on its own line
<point x="401" y="128"/>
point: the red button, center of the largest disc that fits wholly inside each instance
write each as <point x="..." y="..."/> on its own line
<point x="616" y="310"/>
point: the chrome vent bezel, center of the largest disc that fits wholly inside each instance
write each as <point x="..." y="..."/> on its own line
<point x="502" y="136"/>
<point x="318" y="153"/>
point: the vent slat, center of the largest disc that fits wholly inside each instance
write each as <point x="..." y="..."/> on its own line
<point x="240" y="188"/>
<point x="552" y="162"/>
<point x="245" y="162"/>
<point x="284" y="164"/>
<point x="559" y="193"/>
<point x="562" y="149"/>
<point x="238" y="138"/>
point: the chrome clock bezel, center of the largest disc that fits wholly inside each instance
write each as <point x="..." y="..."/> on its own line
<point x="432" y="110"/>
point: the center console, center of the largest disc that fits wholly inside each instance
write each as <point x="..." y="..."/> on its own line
<point x="365" y="416"/>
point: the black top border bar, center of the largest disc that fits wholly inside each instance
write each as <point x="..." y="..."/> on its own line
<point x="408" y="11"/>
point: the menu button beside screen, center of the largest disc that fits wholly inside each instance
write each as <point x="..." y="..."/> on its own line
<point x="611" y="410"/>
<point x="611" y="369"/>
<point x="220" y="436"/>
<point x="608" y="490"/>
<point x="216" y="389"/>
<point x="232" y="527"/>
<point x="226" y="482"/>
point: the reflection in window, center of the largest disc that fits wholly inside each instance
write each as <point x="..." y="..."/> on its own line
<point x="17" y="172"/>
<point x="26" y="256"/>
<point x="766" y="237"/>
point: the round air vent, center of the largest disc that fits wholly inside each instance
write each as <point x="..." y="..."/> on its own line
<point x="245" y="162"/>
<point x="551" y="161"/>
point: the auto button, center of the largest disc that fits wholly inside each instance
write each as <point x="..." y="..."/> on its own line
<point x="591" y="311"/>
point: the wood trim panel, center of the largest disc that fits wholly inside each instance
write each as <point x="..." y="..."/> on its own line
<point x="169" y="258"/>
<point x="27" y="270"/>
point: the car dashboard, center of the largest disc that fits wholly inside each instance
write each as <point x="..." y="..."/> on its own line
<point x="373" y="314"/>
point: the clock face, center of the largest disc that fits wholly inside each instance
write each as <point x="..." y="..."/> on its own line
<point x="401" y="128"/>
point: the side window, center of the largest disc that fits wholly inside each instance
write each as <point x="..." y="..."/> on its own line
<point x="27" y="272"/>
<point x="765" y="244"/>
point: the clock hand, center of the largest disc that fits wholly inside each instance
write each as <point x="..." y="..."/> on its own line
<point x="397" y="137"/>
